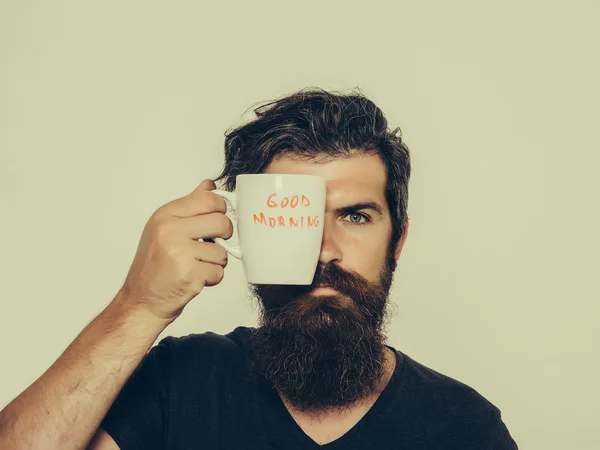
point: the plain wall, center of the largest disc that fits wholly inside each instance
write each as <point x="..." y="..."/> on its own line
<point x="110" y="109"/>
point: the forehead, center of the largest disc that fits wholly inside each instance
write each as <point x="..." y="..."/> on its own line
<point x="361" y="177"/>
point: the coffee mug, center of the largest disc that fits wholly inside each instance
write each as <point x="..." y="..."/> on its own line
<point x="279" y="224"/>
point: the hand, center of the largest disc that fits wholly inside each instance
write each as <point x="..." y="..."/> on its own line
<point x="171" y="266"/>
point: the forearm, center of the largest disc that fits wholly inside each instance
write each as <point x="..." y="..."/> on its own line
<point x="64" y="407"/>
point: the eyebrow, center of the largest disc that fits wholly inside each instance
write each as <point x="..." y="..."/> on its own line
<point x="360" y="206"/>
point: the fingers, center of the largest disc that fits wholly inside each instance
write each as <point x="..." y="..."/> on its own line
<point x="209" y="252"/>
<point x="199" y="201"/>
<point x="205" y="226"/>
<point x="210" y="274"/>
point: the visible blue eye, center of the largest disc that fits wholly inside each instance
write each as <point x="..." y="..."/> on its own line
<point x="355" y="218"/>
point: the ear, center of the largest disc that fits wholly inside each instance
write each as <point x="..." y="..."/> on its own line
<point x="401" y="242"/>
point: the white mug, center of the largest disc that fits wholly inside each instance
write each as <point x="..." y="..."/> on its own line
<point x="280" y="226"/>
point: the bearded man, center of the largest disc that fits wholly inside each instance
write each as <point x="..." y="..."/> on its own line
<point x="317" y="372"/>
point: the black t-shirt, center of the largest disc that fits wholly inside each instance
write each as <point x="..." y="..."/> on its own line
<point x="197" y="393"/>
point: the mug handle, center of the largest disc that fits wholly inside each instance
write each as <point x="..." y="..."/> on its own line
<point x="233" y="250"/>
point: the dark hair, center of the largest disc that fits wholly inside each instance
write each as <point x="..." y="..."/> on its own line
<point x="318" y="125"/>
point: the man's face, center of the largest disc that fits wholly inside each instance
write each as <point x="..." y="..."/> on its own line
<point x="323" y="347"/>
<point x="358" y="240"/>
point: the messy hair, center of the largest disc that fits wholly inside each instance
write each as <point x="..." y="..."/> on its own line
<point x="318" y="125"/>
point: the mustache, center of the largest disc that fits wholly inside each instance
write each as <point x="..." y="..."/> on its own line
<point x="347" y="283"/>
<point x="344" y="281"/>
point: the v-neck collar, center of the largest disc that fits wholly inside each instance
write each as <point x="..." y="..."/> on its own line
<point x="291" y="435"/>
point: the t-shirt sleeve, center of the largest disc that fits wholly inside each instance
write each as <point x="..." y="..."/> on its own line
<point x="137" y="419"/>
<point x="500" y="437"/>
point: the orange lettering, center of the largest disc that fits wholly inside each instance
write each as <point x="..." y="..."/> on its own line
<point x="270" y="202"/>
<point x="305" y="200"/>
<point x="310" y="222"/>
<point x="284" y="202"/>
<point x="294" y="199"/>
<point x="272" y="222"/>
<point x="316" y="221"/>
<point x="302" y="222"/>
<point x="260" y="219"/>
<point x="293" y="223"/>
<point x="281" y="221"/>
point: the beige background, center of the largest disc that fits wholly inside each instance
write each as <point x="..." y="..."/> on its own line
<point x="110" y="109"/>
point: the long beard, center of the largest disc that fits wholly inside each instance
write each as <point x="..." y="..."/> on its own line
<point x="323" y="352"/>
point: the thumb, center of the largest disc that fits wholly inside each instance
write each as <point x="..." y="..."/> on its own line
<point x="207" y="185"/>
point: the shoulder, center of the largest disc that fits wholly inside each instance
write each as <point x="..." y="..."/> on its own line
<point x="456" y="408"/>
<point x="206" y="349"/>
<point x="444" y="391"/>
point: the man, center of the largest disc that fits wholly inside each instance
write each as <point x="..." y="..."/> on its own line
<point x="317" y="372"/>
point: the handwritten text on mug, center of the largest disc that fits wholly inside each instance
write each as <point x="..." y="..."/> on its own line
<point x="291" y="202"/>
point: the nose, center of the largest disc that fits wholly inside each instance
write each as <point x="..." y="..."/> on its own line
<point x="330" y="250"/>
